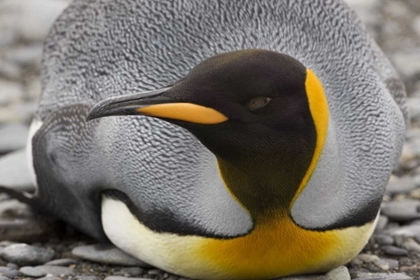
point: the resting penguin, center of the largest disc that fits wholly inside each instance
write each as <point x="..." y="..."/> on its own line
<point x="257" y="136"/>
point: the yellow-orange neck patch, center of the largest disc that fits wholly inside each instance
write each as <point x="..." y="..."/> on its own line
<point x="318" y="105"/>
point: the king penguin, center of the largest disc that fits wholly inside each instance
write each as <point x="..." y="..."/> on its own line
<point x="243" y="139"/>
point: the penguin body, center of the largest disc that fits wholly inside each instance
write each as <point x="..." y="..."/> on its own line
<point x="163" y="191"/>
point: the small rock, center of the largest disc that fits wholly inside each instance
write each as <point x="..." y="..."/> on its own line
<point x="28" y="229"/>
<point x="23" y="254"/>
<point x="4" y="244"/>
<point x="124" y="278"/>
<point x="86" y="278"/>
<point x="4" y="277"/>
<point x="387" y="264"/>
<point x="409" y="231"/>
<point x="7" y="38"/>
<point x="50" y="278"/>
<point x="339" y="273"/>
<point x="382" y="276"/>
<point x="381" y="224"/>
<point x="12" y="137"/>
<point x="55" y="270"/>
<point x="14" y="171"/>
<point x="31" y="271"/>
<point x="382" y="264"/>
<point x="406" y="210"/>
<point x="9" y="70"/>
<point x="401" y="185"/>
<point x="130" y="271"/>
<point x="19" y="112"/>
<point x="12" y="265"/>
<point x="411" y="245"/>
<point x="10" y="92"/>
<point x="8" y="272"/>
<point x="308" y="277"/>
<point x="154" y="272"/>
<point x="394" y="251"/>
<point x="39" y="16"/>
<point x="367" y="258"/>
<point x="415" y="194"/>
<point x="107" y="254"/>
<point x="407" y="62"/>
<point x="399" y="240"/>
<point x="14" y="208"/>
<point x="62" y="262"/>
<point x="384" y="239"/>
<point x="25" y="55"/>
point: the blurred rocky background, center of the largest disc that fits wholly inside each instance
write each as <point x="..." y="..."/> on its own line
<point x="40" y="247"/>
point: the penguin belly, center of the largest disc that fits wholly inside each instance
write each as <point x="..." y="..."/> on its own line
<point x="275" y="249"/>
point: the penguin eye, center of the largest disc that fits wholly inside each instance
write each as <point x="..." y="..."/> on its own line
<point x="257" y="103"/>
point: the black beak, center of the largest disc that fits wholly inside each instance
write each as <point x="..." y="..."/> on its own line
<point x="128" y="104"/>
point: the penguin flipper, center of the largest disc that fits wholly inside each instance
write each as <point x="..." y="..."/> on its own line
<point x="67" y="176"/>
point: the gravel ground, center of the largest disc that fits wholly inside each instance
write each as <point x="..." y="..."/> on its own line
<point x="33" y="246"/>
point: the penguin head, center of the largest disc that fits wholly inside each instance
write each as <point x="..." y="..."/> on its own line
<point x="241" y="104"/>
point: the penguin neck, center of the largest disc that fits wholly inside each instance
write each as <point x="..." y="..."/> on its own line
<point x="265" y="184"/>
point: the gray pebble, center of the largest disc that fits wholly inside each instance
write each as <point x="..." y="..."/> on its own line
<point x="29" y="229"/>
<point x="339" y="273"/>
<point x="154" y="272"/>
<point x="12" y="265"/>
<point x="130" y="271"/>
<point x="8" y="272"/>
<point x="411" y="245"/>
<point x="401" y="185"/>
<point x="25" y="55"/>
<point x="23" y="254"/>
<point x="394" y="251"/>
<point x="10" y="70"/>
<point x="409" y="231"/>
<point x="393" y="264"/>
<point x="399" y="240"/>
<point x="12" y="137"/>
<point x="4" y="278"/>
<point x="31" y="271"/>
<point x="381" y="224"/>
<point x="383" y="265"/>
<point x="14" y="171"/>
<point x="62" y="262"/>
<point x="365" y="258"/>
<point x="382" y="276"/>
<point x="50" y="278"/>
<point x="39" y="16"/>
<point x="7" y="38"/>
<point x="10" y="92"/>
<point x="384" y="239"/>
<point x="417" y="238"/>
<point x="401" y="211"/>
<point x="18" y="112"/>
<point x="55" y="270"/>
<point x="14" y="207"/>
<point x="5" y="243"/>
<point x="124" y="278"/>
<point x="106" y="254"/>
<point x="308" y="277"/>
<point x="407" y="63"/>
<point x="415" y="222"/>
<point x="86" y="278"/>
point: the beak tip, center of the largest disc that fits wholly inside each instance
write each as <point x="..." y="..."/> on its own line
<point x="92" y="114"/>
